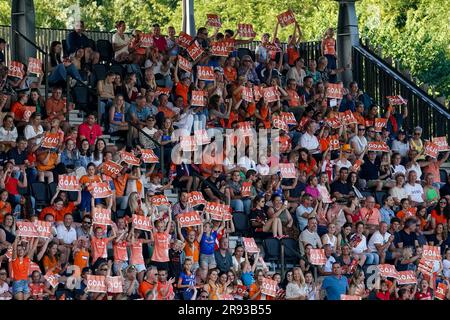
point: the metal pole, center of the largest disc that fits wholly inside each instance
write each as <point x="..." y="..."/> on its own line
<point x="46" y="72"/>
<point x="282" y="260"/>
<point x="347" y="36"/>
<point x="188" y="20"/>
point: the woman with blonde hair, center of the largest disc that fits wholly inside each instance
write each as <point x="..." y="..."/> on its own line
<point x="211" y="285"/>
<point x="357" y="286"/>
<point x="117" y="121"/>
<point x="134" y="205"/>
<point x="297" y="289"/>
<point x="149" y="209"/>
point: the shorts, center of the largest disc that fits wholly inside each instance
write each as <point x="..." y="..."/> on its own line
<point x="140" y="267"/>
<point x="116" y="266"/>
<point x="20" y="286"/>
<point x="208" y="261"/>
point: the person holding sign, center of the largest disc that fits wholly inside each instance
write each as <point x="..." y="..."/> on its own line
<point x="20" y="264"/>
<point x="160" y="256"/>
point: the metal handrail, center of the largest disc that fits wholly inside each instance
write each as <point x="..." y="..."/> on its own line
<point x="400" y="78"/>
<point x="44" y="52"/>
<point x="29" y="41"/>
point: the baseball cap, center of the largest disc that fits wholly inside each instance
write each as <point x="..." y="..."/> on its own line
<point x="346" y="147"/>
<point x="218" y="69"/>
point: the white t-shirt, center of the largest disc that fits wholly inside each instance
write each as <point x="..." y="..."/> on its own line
<point x="328" y="267"/>
<point x="378" y="238"/>
<point x="293" y="290"/>
<point x="399" y="193"/>
<point x="360" y="143"/>
<point x="342" y="163"/>
<point x="398" y="168"/>
<point x="4" y="288"/>
<point x="117" y="40"/>
<point x="309" y="142"/>
<point x="68" y="236"/>
<point x="263" y="169"/>
<point x="29" y="133"/>
<point x="400" y="147"/>
<point x="362" y="245"/>
<point x="415" y="192"/>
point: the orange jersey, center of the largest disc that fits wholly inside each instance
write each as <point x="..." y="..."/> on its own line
<point x="192" y="250"/>
<point x="20" y="269"/>
<point x="329" y="46"/>
<point x="161" y="247"/>
<point x="136" y="253"/>
<point x="81" y="258"/>
<point x="120" y="251"/>
<point x="98" y="247"/>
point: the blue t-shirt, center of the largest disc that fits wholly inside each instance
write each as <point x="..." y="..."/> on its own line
<point x="335" y="287"/>
<point x="140" y="114"/>
<point x="247" y="278"/>
<point x="187" y="280"/>
<point x="207" y="243"/>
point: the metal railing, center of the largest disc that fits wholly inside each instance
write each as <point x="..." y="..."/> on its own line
<point x="44" y="58"/>
<point x="378" y="79"/>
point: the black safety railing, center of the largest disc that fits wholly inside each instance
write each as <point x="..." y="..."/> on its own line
<point x="310" y="50"/>
<point x="379" y="79"/>
<point x="44" y="54"/>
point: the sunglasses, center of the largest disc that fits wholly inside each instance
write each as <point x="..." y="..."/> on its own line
<point x="417" y="133"/>
<point x="217" y="171"/>
<point x="87" y="222"/>
<point x="204" y="296"/>
<point x="371" y="131"/>
<point x="361" y="129"/>
<point x="103" y="269"/>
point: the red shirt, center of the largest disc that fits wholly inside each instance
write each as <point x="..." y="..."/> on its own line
<point x="91" y="134"/>
<point x="383" y="296"/>
<point x="160" y="42"/>
<point x="11" y="185"/>
<point x="20" y="269"/>
<point x="423" y="295"/>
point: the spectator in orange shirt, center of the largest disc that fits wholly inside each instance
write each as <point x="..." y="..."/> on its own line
<point x="146" y="288"/>
<point x="18" y="110"/>
<point x="164" y="287"/>
<point x="182" y="84"/>
<point x="229" y="70"/>
<point x="55" y="106"/>
<point x="20" y="266"/>
<point x="67" y="206"/>
<point x="46" y="162"/>
<point x="255" y="288"/>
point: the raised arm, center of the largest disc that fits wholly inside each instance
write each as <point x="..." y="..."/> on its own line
<point x="169" y="222"/>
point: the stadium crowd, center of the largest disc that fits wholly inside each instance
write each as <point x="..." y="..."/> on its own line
<point x="354" y="195"/>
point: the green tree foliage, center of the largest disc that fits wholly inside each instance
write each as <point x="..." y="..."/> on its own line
<point x="415" y="32"/>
